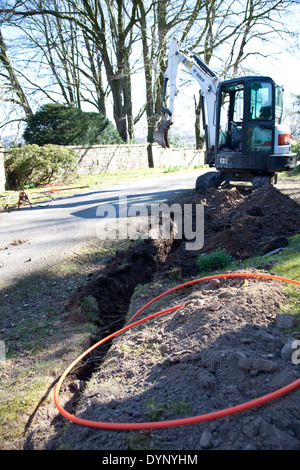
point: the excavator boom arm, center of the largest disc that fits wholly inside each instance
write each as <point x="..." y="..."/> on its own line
<point x="208" y="82"/>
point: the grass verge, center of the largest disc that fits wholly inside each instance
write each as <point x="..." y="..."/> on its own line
<point x="39" y="344"/>
<point x="78" y="183"/>
<point x="283" y="262"/>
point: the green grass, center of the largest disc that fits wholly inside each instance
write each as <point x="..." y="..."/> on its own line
<point x="168" y="409"/>
<point x="295" y="173"/>
<point x="288" y="265"/>
<point x="39" y="345"/>
<point x="20" y="404"/>
<point x="285" y="263"/>
<point x="79" y="183"/>
<point x="218" y="259"/>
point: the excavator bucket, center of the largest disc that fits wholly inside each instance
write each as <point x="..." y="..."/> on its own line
<point x="160" y="136"/>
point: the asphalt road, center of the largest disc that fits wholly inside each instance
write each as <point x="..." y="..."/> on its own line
<point x="31" y="238"/>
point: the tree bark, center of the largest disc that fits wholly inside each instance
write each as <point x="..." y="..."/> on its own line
<point x="15" y="85"/>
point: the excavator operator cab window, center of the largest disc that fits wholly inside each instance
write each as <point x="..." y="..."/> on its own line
<point x="260" y="101"/>
<point x="260" y="116"/>
<point x="231" y="118"/>
<point x="278" y="103"/>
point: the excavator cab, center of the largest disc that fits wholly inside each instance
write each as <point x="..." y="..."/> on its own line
<point x="250" y="136"/>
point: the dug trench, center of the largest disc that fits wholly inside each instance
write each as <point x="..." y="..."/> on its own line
<point x="109" y="293"/>
<point x="241" y="224"/>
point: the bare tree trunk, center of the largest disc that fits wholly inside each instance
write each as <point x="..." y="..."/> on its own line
<point x="148" y="72"/>
<point x="154" y="58"/>
<point x="15" y="85"/>
<point x="128" y="99"/>
<point x="118" y="33"/>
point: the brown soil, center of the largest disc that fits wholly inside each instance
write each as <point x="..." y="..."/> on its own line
<point x="223" y="348"/>
<point x="242" y="225"/>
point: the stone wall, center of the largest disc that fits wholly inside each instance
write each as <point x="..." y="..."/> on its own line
<point x="108" y="158"/>
<point x="103" y="158"/>
<point x="176" y="157"/>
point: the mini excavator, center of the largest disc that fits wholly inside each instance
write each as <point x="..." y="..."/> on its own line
<point x="245" y="137"/>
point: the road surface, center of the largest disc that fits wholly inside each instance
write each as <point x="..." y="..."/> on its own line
<point x="32" y="238"/>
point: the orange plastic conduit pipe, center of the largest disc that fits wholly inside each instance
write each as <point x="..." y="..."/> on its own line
<point x="176" y="422"/>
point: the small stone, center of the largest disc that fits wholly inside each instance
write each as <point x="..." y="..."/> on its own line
<point x="206" y="439"/>
<point x="214" y="283"/>
<point x="231" y="388"/>
<point x="257" y="365"/>
<point x="206" y="380"/>
<point x="286" y="321"/>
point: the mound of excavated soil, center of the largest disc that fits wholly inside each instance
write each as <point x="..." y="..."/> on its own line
<point x="247" y="225"/>
<point x="242" y="225"/>
<point x="223" y="348"/>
